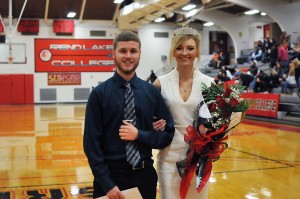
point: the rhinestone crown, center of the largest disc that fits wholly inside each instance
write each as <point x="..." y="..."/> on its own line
<point x="186" y="31"/>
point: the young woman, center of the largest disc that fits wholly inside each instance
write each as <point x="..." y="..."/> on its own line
<point x="181" y="89"/>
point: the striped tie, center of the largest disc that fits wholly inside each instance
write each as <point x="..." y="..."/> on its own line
<point x="132" y="152"/>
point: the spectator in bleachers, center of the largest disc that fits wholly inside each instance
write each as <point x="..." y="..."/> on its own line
<point x="285" y="40"/>
<point x="236" y="72"/>
<point x="228" y="73"/>
<point x="296" y="51"/>
<point x="251" y="55"/>
<point x="273" y="80"/>
<point x="288" y="82"/>
<point x="272" y="42"/>
<point x="283" y="59"/>
<point x="266" y="50"/>
<point x="296" y="64"/>
<point x="221" y="59"/>
<point x="253" y="72"/>
<point x="258" y="55"/>
<point x="273" y="55"/>
<point x="214" y="62"/>
<point x="221" y="77"/>
<point x="279" y="70"/>
<point x="243" y="79"/>
<point x="253" y="69"/>
<point x="261" y="82"/>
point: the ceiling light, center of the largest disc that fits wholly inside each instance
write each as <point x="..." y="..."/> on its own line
<point x="191" y="13"/>
<point x="251" y="12"/>
<point x="263" y="14"/>
<point x="71" y="14"/>
<point x="159" y="19"/>
<point x="118" y="1"/>
<point x="208" y="24"/>
<point x="189" y="7"/>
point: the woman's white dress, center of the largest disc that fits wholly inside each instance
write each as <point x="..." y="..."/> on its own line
<point x="183" y="115"/>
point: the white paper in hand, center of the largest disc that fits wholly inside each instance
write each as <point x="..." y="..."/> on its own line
<point x="132" y="193"/>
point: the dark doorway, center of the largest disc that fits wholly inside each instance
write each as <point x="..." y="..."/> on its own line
<point x="218" y="41"/>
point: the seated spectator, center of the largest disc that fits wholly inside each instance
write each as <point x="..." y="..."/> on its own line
<point x="236" y="73"/>
<point x="296" y="51"/>
<point x="296" y="63"/>
<point x="221" y="59"/>
<point x="251" y="55"/>
<point x="243" y="79"/>
<point x="228" y="73"/>
<point x="288" y="82"/>
<point x="253" y="72"/>
<point x="258" y="55"/>
<point x="253" y="69"/>
<point x="273" y="80"/>
<point x="214" y="62"/>
<point x="261" y="82"/>
<point x="221" y="77"/>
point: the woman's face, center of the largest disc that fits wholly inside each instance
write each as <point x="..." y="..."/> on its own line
<point x="186" y="53"/>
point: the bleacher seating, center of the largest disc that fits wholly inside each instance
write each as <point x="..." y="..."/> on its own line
<point x="244" y="56"/>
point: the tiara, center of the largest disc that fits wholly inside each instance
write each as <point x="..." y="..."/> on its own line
<point x="186" y="31"/>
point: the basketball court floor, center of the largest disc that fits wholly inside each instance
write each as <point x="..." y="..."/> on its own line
<point x="41" y="156"/>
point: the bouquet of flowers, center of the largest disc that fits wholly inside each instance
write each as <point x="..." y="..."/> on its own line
<point x="220" y="110"/>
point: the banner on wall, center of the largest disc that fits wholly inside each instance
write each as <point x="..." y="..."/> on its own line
<point x="74" y="55"/>
<point x="64" y="78"/>
<point x="265" y="105"/>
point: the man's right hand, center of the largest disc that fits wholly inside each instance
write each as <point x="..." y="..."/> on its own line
<point x="115" y="193"/>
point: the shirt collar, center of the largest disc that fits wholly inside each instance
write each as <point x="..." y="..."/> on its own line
<point x="120" y="81"/>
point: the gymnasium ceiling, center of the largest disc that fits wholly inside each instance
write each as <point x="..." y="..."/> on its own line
<point x="106" y="9"/>
<point x="88" y="9"/>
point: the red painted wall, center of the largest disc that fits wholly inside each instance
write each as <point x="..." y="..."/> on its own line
<point x="16" y="89"/>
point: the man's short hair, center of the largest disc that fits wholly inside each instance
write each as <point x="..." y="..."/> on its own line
<point x="127" y="36"/>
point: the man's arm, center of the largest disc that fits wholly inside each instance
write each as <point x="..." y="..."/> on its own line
<point x="92" y="138"/>
<point x="159" y="139"/>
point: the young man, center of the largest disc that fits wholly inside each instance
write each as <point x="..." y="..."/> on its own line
<point x="108" y="130"/>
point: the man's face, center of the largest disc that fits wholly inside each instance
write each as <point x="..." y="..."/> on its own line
<point x="127" y="57"/>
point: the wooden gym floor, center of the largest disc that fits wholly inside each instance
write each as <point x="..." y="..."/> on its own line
<point x="41" y="156"/>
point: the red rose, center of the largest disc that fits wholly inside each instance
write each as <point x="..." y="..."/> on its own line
<point x="218" y="98"/>
<point x="221" y="103"/>
<point x="227" y="92"/>
<point x="233" y="102"/>
<point x="225" y="114"/>
<point x="212" y="107"/>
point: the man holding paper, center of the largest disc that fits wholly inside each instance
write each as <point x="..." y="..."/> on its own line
<point x="119" y="134"/>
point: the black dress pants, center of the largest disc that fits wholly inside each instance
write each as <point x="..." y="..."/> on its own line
<point x="145" y="179"/>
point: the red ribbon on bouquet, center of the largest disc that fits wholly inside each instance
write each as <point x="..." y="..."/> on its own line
<point x="197" y="143"/>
